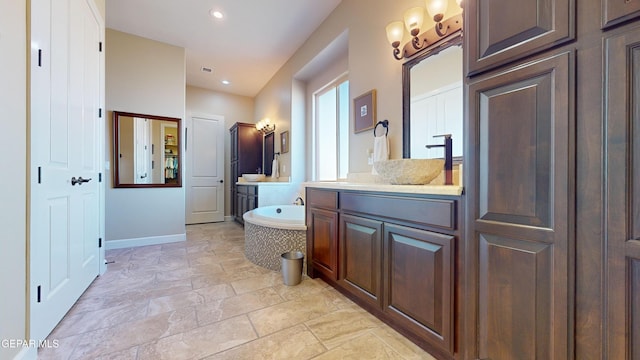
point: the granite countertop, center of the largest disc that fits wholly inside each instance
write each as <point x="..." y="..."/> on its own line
<point x="454" y="190"/>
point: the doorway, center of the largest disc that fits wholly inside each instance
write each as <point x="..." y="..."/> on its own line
<point x="204" y="169"/>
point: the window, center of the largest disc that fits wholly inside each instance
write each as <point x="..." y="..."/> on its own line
<point x="331" y="125"/>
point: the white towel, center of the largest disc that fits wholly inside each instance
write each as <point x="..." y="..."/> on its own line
<point x="380" y="150"/>
<point x="274" y="169"/>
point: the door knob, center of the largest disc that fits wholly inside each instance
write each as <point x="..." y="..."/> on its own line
<point x="79" y="180"/>
<point x="221" y="181"/>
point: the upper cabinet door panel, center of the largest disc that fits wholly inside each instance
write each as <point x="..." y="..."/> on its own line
<point x="522" y="124"/>
<point x="617" y="11"/>
<point x="500" y="31"/>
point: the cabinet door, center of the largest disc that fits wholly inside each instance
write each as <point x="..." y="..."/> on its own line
<point x="241" y="206"/>
<point x="233" y="136"/>
<point x="623" y="195"/>
<point x="252" y="202"/>
<point x="322" y="241"/>
<point x="520" y="216"/>
<point x="617" y="11"/>
<point x="360" y="259"/>
<point x="232" y="187"/>
<point x="500" y="31"/>
<point x="419" y="291"/>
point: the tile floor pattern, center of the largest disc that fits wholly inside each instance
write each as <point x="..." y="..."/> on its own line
<point x="201" y="299"/>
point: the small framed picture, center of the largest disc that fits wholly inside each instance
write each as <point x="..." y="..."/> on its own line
<point x="284" y="142"/>
<point x="364" y="107"/>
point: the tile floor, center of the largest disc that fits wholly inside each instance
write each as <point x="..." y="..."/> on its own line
<point x="201" y="299"/>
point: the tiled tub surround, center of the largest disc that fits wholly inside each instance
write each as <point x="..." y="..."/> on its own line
<point x="264" y="245"/>
<point x="273" y="230"/>
<point x="201" y="299"/>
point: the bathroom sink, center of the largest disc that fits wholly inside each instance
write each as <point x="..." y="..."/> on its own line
<point x="253" y="177"/>
<point x="409" y="171"/>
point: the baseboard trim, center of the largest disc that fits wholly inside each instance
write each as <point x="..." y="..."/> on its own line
<point x="151" y="240"/>
<point x="228" y="218"/>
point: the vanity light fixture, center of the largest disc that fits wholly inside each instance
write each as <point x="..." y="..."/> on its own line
<point x="413" y="21"/>
<point x="437" y="8"/>
<point x="265" y="126"/>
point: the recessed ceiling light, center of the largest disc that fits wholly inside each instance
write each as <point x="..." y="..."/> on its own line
<point x="226" y="82"/>
<point x="216" y="13"/>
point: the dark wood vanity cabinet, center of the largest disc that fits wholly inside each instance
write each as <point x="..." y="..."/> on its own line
<point x="245" y="158"/>
<point x="521" y="240"/>
<point x="551" y="179"/>
<point x="246" y="200"/>
<point x="322" y="233"/>
<point x="394" y="254"/>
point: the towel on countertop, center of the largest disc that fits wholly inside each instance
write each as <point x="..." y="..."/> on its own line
<point x="275" y="173"/>
<point x="380" y="150"/>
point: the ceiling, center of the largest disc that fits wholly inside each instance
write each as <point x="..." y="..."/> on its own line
<point x="247" y="47"/>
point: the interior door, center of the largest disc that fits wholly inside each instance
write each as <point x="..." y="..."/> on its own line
<point x="142" y="157"/>
<point x="65" y="140"/>
<point x="205" y="169"/>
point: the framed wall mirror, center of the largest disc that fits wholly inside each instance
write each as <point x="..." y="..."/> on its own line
<point x="432" y="99"/>
<point x="147" y="151"/>
<point x="268" y="152"/>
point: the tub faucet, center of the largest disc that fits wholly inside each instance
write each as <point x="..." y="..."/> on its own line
<point x="299" y="201"/>
<point x="448" y="157"/>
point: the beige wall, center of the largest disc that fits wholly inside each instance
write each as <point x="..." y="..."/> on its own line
<point x="147" y="77"/>
<point x="13" y="192"/>
<point x="234" y="108"/>
<point x="370" y="64"/>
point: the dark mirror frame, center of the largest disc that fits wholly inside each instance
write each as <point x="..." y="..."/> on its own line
<point x="269" y="152"/>
<point x="116" y="153"/>
<point x="454" y="39"/>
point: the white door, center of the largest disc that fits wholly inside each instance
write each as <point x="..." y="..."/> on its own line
<point x="435" y="113"/>
<point x="205" y="169"/>
<point x="65" y="148"/>
<point x="142" y="150"/>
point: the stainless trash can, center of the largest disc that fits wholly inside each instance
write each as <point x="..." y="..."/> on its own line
<point x="292" y="267"/>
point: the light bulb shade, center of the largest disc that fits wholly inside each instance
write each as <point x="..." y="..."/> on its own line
<point x="413" y="19"/>
<point x="437" y="9"/>
<point x="395" y="33"/>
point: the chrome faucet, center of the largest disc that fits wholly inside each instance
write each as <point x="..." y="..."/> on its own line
<point x="299" y="201"/>
<point x="448" y="157"/>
